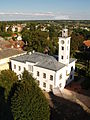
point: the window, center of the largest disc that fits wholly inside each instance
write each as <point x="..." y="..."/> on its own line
<point x="66" y="82"/>
<point x="62" y="57"/>
<point x="37" y="73"/>
<point x="14" y="66"/>
<point x="51" y="87"/>
<point x="60" y="85"/>
<point x="19" y="68"/>
<point x="44" y="84"/>
<point x="62" y="48"/>
<point x="51" y="77"/>
<point x="72" y="68"/>
<point x="60" y="77"/>
<point x="68" y="41"/>
<point x="44" y="75"/>
<point x="67" y="47"/>
<point x="70" y="76"/>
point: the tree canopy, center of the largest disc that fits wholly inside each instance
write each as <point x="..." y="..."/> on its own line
<point x="28" y="102"/>
<point x="40" y="40"/>
<point x="21" y="99"/>
<point x="7" y="79"/>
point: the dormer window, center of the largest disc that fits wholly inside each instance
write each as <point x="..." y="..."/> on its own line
<point x="30" y="68"/>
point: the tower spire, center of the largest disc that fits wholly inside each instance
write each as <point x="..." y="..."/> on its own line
<point x="65" y="32"/>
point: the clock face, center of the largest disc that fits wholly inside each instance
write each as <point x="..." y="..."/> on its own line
<point x="62" y="41"/>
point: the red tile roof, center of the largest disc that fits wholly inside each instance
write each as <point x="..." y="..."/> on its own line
<point x="15" y="43"/>
<point x="14" y="35"/>
<point x="87" y="43"/>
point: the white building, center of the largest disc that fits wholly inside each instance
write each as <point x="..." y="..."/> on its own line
<point x="6" y="28"/>
<point x="49" y="72"/>
<point x="19" y="37"/>
<point x="13" y="29"/>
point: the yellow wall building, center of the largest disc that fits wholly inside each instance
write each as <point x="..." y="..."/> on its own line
<point x="6" y="54"/>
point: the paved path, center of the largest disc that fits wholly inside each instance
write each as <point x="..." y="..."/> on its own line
<point x="80" y="99"/>
<point x="65" y="106"/>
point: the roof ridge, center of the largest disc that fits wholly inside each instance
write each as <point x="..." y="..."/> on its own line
<point x="53" y="60"/>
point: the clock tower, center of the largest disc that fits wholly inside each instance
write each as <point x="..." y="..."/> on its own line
<point x="64" y="47"/>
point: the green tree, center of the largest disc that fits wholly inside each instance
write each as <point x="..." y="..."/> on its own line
<point x="7" y="79"/>
<point x="84" y="33"/>
<point x="27" y="101"/>
<point x="76" y="42"/>
<point x="52" y="31"/>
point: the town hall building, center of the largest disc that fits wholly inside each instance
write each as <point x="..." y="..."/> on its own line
<point x="49" y="72"/>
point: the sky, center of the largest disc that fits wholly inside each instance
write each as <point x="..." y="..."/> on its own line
<point x="44" y="10"/>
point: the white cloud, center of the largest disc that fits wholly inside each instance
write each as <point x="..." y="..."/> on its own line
<point x="27" y="16"/>
<point x="40" y="16"/>
<point x="16" y="13"/>
<point x="61" y="16"/>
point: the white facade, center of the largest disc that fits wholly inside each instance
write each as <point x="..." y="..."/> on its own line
<point x="6" y="28"/>
<point x="49" y="79"/>
<point x="44" y="78"/>
<point x="64" y="47"/>
<point x="19" y="37"/>
<point x="13" y="28"/>
<point x="59" y="78"/>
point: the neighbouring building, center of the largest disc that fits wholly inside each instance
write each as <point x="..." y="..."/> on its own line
<point x="6" y="54"/>
<point x="17" y="28"/>
<point x="13" y="28"/>
<point x="19" y="37"/>
<point x="86" y="45"/>
<point x="17" y="44"/>
<point x="49" y="73"/>
<point x="6" y="28"/>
